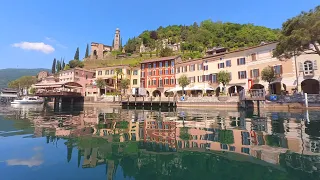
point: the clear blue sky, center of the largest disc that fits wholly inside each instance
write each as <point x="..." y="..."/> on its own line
<point x="55" y="28"/>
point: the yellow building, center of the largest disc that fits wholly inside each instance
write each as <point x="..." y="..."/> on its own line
<point x="110" y="76"/>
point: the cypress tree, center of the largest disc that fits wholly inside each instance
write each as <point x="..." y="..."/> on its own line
<point x="87" y="51"/>
<point x="53" y="70"/>
<point x="58" y="66"/>
<point x="76" y="55"/>
<point x="63" y="65"/>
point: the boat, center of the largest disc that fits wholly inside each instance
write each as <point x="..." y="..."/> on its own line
<point x="28" y="100"/>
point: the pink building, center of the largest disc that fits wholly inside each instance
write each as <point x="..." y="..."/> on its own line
<point x="81" y="76"/>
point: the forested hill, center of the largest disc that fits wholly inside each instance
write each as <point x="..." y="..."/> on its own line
<point x="7" y="75"/>
<point x="206" y="35"/>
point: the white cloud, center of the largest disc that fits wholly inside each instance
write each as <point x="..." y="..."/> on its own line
<point x="35" y="160"/>
<point x="36" y="46"/>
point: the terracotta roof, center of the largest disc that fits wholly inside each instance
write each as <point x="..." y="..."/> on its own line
<point x="189" y="61"/>
<point x="113" y="66"/>
<point x="160" y="59"/>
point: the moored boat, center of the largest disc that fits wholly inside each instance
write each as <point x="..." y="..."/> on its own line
<point x="28" y="100"/>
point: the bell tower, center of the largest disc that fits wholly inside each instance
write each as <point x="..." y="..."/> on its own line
<point x="116" y="44"/>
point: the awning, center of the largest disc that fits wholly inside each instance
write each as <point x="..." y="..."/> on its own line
<point x="205" y="87"/>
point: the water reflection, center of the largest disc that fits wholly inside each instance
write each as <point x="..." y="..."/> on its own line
<point x="178" y="143"/>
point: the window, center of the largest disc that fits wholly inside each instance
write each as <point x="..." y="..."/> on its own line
<point x="166" y="71"/>
<point x="166" y="81"/>
<point x="149" y="65"/>
<point x="178" y="70"/>
<point x="106" y="72"/>
<point x="206" y="77"/>
<point x="254" y="57"/>
<point x="185" y="69"/>
<point x="220" y="65"/>
<point x="142" y="74"/>
<point x="149" y="82"/>
<point x="154" y="82"/>
<point x="160" y="83"/>
<point x="245" y="150"/>
<point x="206" y="68"/>
<point x="172" y="70"/>
<point x="135" y="72"/>
<point x="241" y="61"/>
<point x="135" y="82"/>
<point x="142" y="66"/>
<point x="232" y="148"/>
<point x="111" y="72"/>
<point x="99" y="72"/>
<point x="154" y="65"/>
<point x="278" y="69"/>
<point x="228" y="63"/>
<point x="200" y="66"/>
<point x="214" y="78"/>
<point x="192" y="67"/>
<point x="160" y="64"/>
<point x="160" y="72"/>
<point x="191" y="79"/>
<point x="154" y="72"/>
<point x="166" y="64"/>
<point x="200" y="79"/>
<point x="149" y="73"/>
<point x="242" y="74"/>
<point x="128" y="71"/>
<point x="172" y="63"/>
<point x="172" y="81"/>
<point x="308" y="68"/>
<point x="254" y="73"/>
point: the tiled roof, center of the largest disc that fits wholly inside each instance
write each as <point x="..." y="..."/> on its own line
<point x="160" y="59"/>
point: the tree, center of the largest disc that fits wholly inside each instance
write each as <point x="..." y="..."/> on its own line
<point x="166" y="52"/>
<point x="223" y="77"/>
<point x="53" y="70"/>
<point x="124" y="83"/>
<point x="183" y="82"/>
<point x="76" y="55"/>
<point x="23" y="82"/>
<point x="100" y="83"/>
<point x="67" y="67"/>
<point x="58" y="66"/>
<point x="300" y="34"/>
<point x="32" y="90"/>
<point x="63" y="65"/>
<point x="118" y="72"/>
<point x="76" y="63"/>
<point x="154" y="35"/>
<point x="268" y="75"/>
<point x="87" y="52"/>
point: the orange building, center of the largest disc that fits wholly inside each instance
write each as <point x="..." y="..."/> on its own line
<point x="158" y="75"/>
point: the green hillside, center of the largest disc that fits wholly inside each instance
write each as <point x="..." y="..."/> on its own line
<point x="207" y="34"/>
<point x="7" y="75"/>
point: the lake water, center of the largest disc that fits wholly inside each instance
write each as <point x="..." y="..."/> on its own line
<point x="113" y="143"/>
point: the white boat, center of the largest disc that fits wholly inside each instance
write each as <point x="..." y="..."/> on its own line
<point x="28" y="100"/>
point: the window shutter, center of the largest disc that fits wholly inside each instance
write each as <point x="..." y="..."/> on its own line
<point x="281" y="69"/>
<point x="218" y="66"/>
<point x="210" y="77"/>
<point x="244" y="60"/>
<point x="238" y="74"/>
<point x="300" y="67"/>
<point x="203" y="78"/>
<point x="237" y="61"/>
<point x="258" y="73"/>
<point x="315" y="65"/>
<point x="251" y="72"/>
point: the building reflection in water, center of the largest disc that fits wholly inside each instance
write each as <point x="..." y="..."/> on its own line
<point x="105" y="133"/>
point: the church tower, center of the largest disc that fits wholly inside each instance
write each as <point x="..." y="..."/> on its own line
<point x="116" y="41"/>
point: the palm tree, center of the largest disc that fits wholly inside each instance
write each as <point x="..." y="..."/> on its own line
<point x="118" y="73"/>
<point x="100" y="84"/>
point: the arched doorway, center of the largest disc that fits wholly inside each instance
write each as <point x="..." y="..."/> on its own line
<point x="218" y="91"/>
<point x="156" y="93"/>
<point x="310" y="86"/>
<point x="168" y="94"/>
<point x="275" y="88"/>
<point x="233" y="90"/>
<point x="257" y="86"/>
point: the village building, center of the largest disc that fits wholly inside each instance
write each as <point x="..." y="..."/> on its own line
<point x="158" y="75"/>
<point x="100" y="51"/>
<point x="42" y="74"/>
<point x="109" y="74"/>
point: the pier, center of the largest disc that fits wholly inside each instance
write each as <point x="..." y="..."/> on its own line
<point x="247" y="98"/>
<point x="150" y="101"/>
